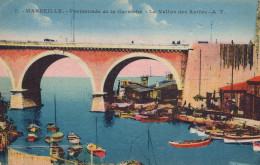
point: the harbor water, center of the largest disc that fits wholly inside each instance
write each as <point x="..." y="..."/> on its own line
<point x="123" y="139"/>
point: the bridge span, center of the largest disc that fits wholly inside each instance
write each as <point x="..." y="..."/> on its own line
<point x="27" y="62"/>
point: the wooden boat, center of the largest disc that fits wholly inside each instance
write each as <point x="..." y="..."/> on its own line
<point x="96" y="150"/>
<point x="126" y="115"/>
<point x="217" y="134"/>
<point x="139" y="117"/>
<point x="151" y="107"/>
<point x="156" y="119"/>
<point x="32" y="137"/>
<point x="131" y="162"/>
<point x="192" y="143"/>
<point x="54" y="137"/>
<point x="73" y="138"/>
<point x="16" y="133"/>
<point x="56" y="150"/>
<point x="228" y="138"/>
<point x="33" y="128"/>
<point x="74" y="150"/>
<point x="256" y="146"/>
<point x="52" y="127"/>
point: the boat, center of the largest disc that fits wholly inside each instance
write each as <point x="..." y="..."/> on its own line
<point x="52" y="127"/>
<point x="32" y="137"/>
<point x="75" y="150"/>
<point x="217" y="134"/>
<point x="151" y="107"/>
<point x="256" y="146"/>
<point x="131" y="162"/>
<point x="126" y="115"/>
<point x="198" y="129"/>
<point x="156" y="119"/>
<point x="96" y="150"/>
<point x="56" y="150"/>
<point x="73" y="138"/>
<point x="54" y="137"/>
<point x="229" y="138"/>
<point x="192" y="143"/>
<point x="16" y="133"/>
<point x="139" y="117"/>
<point x="33" y="128"/>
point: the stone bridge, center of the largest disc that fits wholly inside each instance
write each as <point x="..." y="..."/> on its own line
<point x="27" y="62"/>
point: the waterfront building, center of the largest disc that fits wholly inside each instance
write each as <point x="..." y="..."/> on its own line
<point x="163" y="92"/>
<point x="243" y="99"/>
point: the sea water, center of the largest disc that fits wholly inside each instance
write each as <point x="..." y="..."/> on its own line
<point x="123" y="139"/>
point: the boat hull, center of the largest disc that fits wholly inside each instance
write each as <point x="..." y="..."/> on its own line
<point x="96" y="150"/>
<point x="161" y="119"/>
<point x="241" y="139"/>
<point x="256" y="146"/>
<point x="191" y="145"/>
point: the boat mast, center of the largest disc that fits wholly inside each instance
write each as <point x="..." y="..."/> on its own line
<point x="96" y="132"/>
<point x="55" y="109"/>
<point x="200" y="74"/>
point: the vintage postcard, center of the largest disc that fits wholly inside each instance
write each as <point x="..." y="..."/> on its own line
<point x="129" y="82"/>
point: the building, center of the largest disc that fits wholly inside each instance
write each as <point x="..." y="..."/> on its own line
<point x="243" y="99"/>
<point x="163" y="92"/>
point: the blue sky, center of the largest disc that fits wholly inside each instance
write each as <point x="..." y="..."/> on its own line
<point x="237" y="22"/>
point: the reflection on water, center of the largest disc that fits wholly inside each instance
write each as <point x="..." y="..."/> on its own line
<point x="123" y="139"/>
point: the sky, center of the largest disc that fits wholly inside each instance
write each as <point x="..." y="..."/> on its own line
<point x="155" y="23"/>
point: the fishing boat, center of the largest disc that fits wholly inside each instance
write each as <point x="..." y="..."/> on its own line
<point x="56" y="150"/>
<point x="139" y="117"/>
<point x="33" y="128"/>
<point x="96" y="150"/>
<point x="52" y="127"/>
<point x="54" y="137"/>
<point x="74" y="150"/>
<point x="256" y="146"/>
<point x="32" y="137"/>
<point x="151" y="107"/>
<point x="229" y="138"/>
<point x="131" y="162"/>
<point x="192" y="143"/>
<point x="156" y="119"/>
<point x="126" y="115"/>
<point x="73" y="138"/>
<point x="217" y="134"/>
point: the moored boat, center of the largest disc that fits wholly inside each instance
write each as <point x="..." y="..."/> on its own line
<point x="73" y="138"/>
<point x="32" y="137"/>
<point x="256" y="146"/>
<point x="131" y="162"/>
<point x="52" y="127"/>
<point x="33" y="128"/>
<point x="228" y="138"/>
<point x="126" y="115"/>
<point x="96" y="150"/>
<point x="74" y="150"/>
<point x="54" y="137"/>
<point x="56" y="150"/>
<point x="217" y="134"/>
<point x="157" y="119"/>
<point x="192" y="143"/>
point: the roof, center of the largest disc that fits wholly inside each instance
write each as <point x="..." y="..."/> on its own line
<point x="236" y="87"/>
<point x="254" y="79"/>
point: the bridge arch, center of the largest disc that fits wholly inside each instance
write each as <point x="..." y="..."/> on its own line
<point x="9" y="72"/>
<point x="42" y="62"/>
<point x="113" y="71"/>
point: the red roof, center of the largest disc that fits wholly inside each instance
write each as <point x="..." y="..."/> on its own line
<point x="255" y="79"/>
<point x="236" y="87"/>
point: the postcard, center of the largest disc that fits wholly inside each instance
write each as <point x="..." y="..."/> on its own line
<point x="129" y="82"/>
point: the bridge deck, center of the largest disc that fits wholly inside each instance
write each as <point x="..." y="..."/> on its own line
<point x="51" y="45"/>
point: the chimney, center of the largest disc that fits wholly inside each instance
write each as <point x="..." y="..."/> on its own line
<point x="169" y="77"/>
